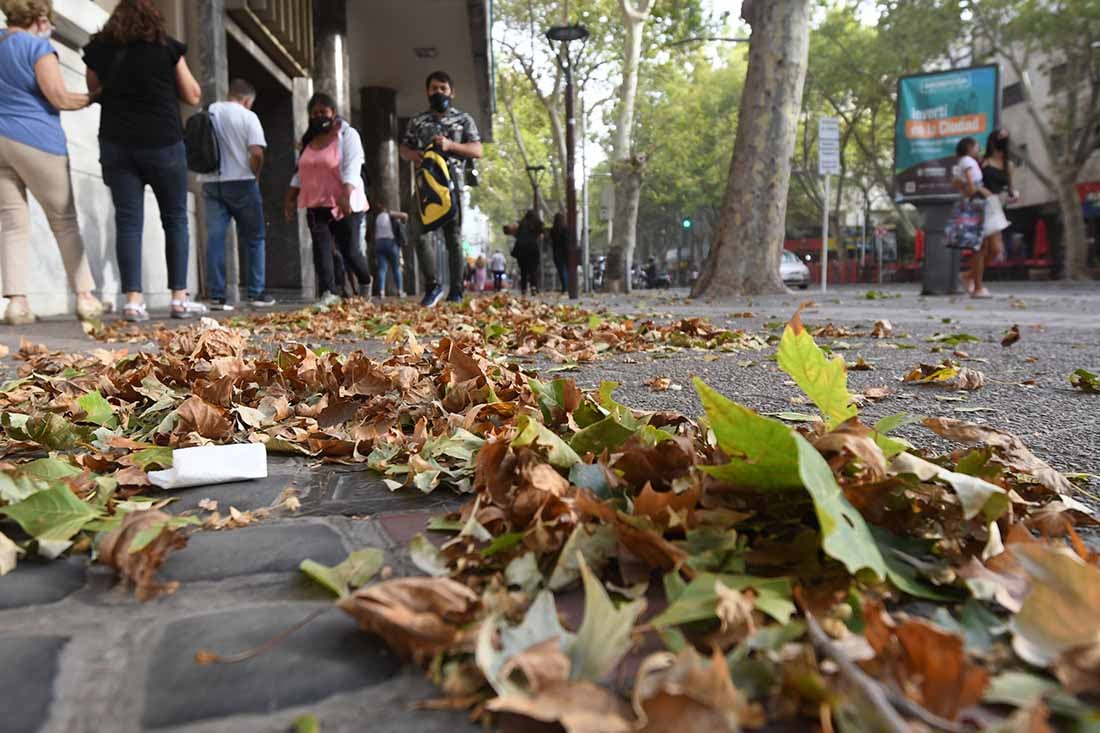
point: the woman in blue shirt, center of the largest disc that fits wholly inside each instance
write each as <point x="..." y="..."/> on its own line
<point x="34" y="157"/>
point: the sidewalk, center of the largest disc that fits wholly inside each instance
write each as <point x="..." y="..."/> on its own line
<point x="82" y="655"/>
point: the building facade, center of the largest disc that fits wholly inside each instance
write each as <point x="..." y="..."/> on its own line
<point x="372" y="56"/>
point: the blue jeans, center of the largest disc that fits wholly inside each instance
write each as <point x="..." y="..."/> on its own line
<point x="127" y="171"/>
<point x="389" y="256"/>
<point x="241" y="202"/>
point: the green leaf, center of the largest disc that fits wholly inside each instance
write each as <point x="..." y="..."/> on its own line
<point x="595" y="544"/>
<point x="535" y="434"/>
<point x="503" y="543"/>
<point x="427" y="557"/>
<point x="698" y="600"/>
<point x="52" y="514"/>
<point x="1085" y="381"/>
<point x="844" y="534"/>
<point x="523" y="572"/>
<point x="761" y="450"/>
<point x="150" y="533"/>
<point x="902" y="574"/>
<point x="953" y="339"/>
<point x="823" y="380"/>
<point x="975" y="495"/>
<point x="607" y="433"/>
<point x="592" y="477"/>
<point x="359" y="567"/>
<point x="539" y="624"/>
<point x="97" y="410"/>
<point x="444" y="524"/>
<point x="604" y="635"/>
<point x="148" y="459"/>
<point x="307" y="724"/>
<point x="50" y="469"/>
<point x="1019" y="689"/>
<point x="54" y="432"/>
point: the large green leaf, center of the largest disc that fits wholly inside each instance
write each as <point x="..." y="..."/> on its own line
<point x="825" y="381"/>
<point x="359" y="567"/>
<point x="604" y="635"/>
<point x="539" y="624"/>
<point x="699" y="599"/>
<point x="52" y="514"/>
<point x="97" y="410"/>
<point x="761" y="450"/>
<point x="53" y="432"/>
<point x="535" y="434"/>
<point x="844" y="534"/>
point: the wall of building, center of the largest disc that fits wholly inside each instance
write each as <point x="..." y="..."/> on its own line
<point x="49" y="293"/>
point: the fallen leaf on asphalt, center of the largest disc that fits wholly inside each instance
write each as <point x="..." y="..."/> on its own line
<point x="1011" y="336"/>
<point x="659" y="384"/>
<point x="1085" y="381"/>
<point x="882" y="329"/>
<point x="138" y="547"/>
<point x="209" y="505"/>
<point x="877" y="393"/>
<point x="946" y="375"/>
<point x="9" y="554"/>
<point x="417" y="617"/>
<point x="358" y="568"/>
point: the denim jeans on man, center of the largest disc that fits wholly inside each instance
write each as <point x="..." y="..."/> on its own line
<point x="389" y="257"/>
<point x="126" y="171"/>
<point x="241" y="202"/>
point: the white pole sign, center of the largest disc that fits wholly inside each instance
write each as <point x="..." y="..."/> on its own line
<point x="828" y="164"/>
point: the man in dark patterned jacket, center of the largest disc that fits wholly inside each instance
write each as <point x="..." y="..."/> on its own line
<point x="455" y="135"/>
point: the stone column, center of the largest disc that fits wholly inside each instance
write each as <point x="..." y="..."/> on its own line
<point x="331" y="63"/>
<point x="407" y="203"/>
<point x="209" y="62"/>
<point x="379" y="128"/>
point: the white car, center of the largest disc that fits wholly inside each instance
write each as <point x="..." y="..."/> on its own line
<point x="793" y="272"/>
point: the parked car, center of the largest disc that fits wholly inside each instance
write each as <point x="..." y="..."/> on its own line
<point x="793" y="271"/>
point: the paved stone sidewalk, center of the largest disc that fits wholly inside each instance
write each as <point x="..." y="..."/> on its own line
<point x="79" y="654"/>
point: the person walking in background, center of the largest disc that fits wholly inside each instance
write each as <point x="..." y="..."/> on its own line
<point x="34" y="156"/>
<point x="388" y="240"/>
<point x="528" y="233"/>
<point x="234" y="193"/>
<point x="559" y="240"/>
<point x="997" y="178"/>
<point x="455" y="135"/>
<point x="329" y="186"/>
<point x="498" y="265"/>
<point x="481" y="274"/>
<point x="968" y="181"/>
<point x="139" y="74"/>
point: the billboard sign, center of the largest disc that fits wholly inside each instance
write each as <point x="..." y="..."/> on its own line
<point x="934" y="112"/>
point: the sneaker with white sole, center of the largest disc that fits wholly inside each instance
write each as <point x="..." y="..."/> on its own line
<point x="432" y="297"/>
<point x="219" y="304"/>
<point x="328" y="300"/>
<point x="263" y="300"/>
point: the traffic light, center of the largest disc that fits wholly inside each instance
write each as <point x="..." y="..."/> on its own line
<point x="686" y="223"/>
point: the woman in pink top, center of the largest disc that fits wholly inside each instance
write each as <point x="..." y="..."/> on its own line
<point x="329" y="186"/>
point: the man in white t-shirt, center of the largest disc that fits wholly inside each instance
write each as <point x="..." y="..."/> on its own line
<point x="234" y="193"/>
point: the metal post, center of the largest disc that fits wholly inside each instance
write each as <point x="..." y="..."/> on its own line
<point x="570" y="175"/>
<point x="825" y="239"/>
<point x="878" y="246"/>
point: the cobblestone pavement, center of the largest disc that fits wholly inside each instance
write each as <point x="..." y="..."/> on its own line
<point x="79" y="654"/>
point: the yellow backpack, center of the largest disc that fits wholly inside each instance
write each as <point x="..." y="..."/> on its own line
<point x="435" y="191"/>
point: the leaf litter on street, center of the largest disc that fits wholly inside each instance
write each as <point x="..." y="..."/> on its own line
<point x="735" y="569"/>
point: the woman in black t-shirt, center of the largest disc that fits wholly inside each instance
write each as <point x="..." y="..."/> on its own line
<point x="139" y="75"/>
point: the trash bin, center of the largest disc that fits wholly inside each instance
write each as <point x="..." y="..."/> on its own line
<point x="940" y="273"/>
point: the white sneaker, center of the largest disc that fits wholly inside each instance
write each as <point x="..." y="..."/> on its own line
<point x="328" y="299"/>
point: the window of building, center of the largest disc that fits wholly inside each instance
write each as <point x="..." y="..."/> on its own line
<point x="1012" y="94"/>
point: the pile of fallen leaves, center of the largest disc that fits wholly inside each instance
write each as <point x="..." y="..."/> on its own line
<point x="735" y="570"/>
<point x="502" y="324"/>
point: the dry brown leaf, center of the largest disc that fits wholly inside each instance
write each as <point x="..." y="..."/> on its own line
<point x="1011" y="336"/>
<point x="542" y="665"/>
<point x="196" y="415"/>
<point x="579" y="707"/>
<point x="209" y="505"/>
<point x="140" y="567"/>
<point x="417" y="617"/>
<point x="686" y="693"/>
<point x="658" y="384"/>
<point x="734" y="612"/>
<point x="882" y="329"/>
<point x="927" y="664"/>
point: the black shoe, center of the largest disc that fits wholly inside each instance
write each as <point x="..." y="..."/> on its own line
<point x="432" y="297"/>
<point x="455" y="296"/>
<point x="219" y="304"/>
<point x="263" y="300"/>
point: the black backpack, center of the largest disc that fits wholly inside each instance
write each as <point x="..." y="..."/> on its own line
<point x="203" y="154"/>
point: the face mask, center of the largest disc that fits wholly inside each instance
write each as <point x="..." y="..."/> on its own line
<point x="320" y="125"/>
<point x="440" y="102"/>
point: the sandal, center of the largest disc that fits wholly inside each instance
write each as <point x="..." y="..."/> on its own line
<point x="135" y="313"/>
<point x="184" y="309"/>
<point x="981" y="293"/>
<point x="90" y="309"/>
<point x="19" y="314"/>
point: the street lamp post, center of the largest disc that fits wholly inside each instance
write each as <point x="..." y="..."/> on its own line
<point x="567" y="34"/>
